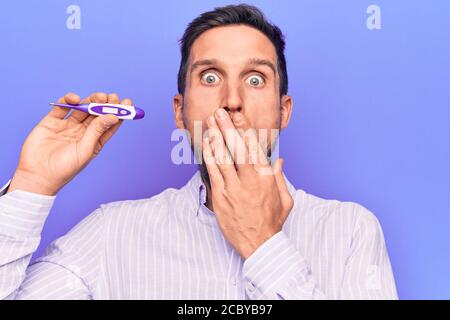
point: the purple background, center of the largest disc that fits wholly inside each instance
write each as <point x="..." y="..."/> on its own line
<point x="370" y="121"/>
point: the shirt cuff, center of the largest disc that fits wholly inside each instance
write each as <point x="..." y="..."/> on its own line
<point x="5" y="188"/>
<point x="23" y="213"/>
<point x="274" y="266"/>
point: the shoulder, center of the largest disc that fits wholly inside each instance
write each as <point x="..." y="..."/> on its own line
<point x="350" y="216"/>
<point x="157" y="200"/>
<point x="153" y="207"/>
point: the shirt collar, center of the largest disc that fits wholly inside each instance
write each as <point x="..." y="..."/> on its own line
<point x="196" y="190"/>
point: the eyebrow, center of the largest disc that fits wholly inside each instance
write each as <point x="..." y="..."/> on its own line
<point x="251" y="61"/>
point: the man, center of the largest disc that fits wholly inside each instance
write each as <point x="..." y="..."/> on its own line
<point x="236" y="230"/>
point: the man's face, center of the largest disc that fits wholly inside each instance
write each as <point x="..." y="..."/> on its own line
<point x="233" y="67"/>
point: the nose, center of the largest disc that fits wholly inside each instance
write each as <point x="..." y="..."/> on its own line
<point x="232" y="101"/>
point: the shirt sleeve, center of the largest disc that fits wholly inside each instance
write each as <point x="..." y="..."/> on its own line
<point x="58" y="273"/>
<point x="22" y="217"/>
<point x="70" y="266"/>
<point x="368" y="271"/>
<point x="277" y="270"/>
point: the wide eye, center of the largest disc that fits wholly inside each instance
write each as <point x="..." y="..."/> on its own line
<point x="255" y="80"/>
<point x="210" y="78"/>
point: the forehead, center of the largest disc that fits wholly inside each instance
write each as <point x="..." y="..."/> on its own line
<point x="233" y="44"/>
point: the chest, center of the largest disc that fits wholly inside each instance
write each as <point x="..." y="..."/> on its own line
<point x="174" y="262"/>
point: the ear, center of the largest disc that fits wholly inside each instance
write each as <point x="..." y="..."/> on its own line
<point x="286" y="110"/>
<point x="178" y="110"/>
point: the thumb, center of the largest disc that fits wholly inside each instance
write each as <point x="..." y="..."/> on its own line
<point x="90" y="142"/>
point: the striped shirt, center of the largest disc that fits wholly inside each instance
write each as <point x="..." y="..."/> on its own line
<point x="170" y="246"/>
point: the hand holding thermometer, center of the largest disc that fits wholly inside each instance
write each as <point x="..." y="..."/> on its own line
<point x="122" y="111"/>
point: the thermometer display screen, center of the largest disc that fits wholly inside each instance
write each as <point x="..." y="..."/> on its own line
<point x="110" y="110"/>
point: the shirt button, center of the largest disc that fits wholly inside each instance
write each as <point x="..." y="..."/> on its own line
<point x="233" y="281"/>
<point x="250" y="287"/>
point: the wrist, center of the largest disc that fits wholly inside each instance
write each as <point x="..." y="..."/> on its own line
<point x="30" y="182"/>
<point x="251" y="246"/>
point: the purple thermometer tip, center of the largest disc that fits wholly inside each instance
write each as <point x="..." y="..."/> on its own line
<point x="139" y="113"/>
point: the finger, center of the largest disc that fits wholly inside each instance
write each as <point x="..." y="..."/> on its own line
<point x="99" y="97"/>
<point x="221" y="153"/>
<point x="80" y="116"/>
<point x="113" y="98"/>
<point x="110" y="132"/>
<point x="77" y="116"/>
<point x="59" y="112"/>
<point x="86" y="100"/>
<point x="90" y="143"/>
<point x="257" y="155"/>
<point x="89" y="119"/>
<point x="215" y="176"/>
<point x="233" y="140"/>
<point x="127" y="101"/>
<point x="72" y="98"/>
<point x="110" y="98"/>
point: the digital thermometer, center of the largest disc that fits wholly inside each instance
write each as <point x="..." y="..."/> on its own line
<point x="122" y="111"/>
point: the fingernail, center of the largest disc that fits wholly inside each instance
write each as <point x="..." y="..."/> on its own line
<point x="211" y="121"/>
<point x="221" y="113"/>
